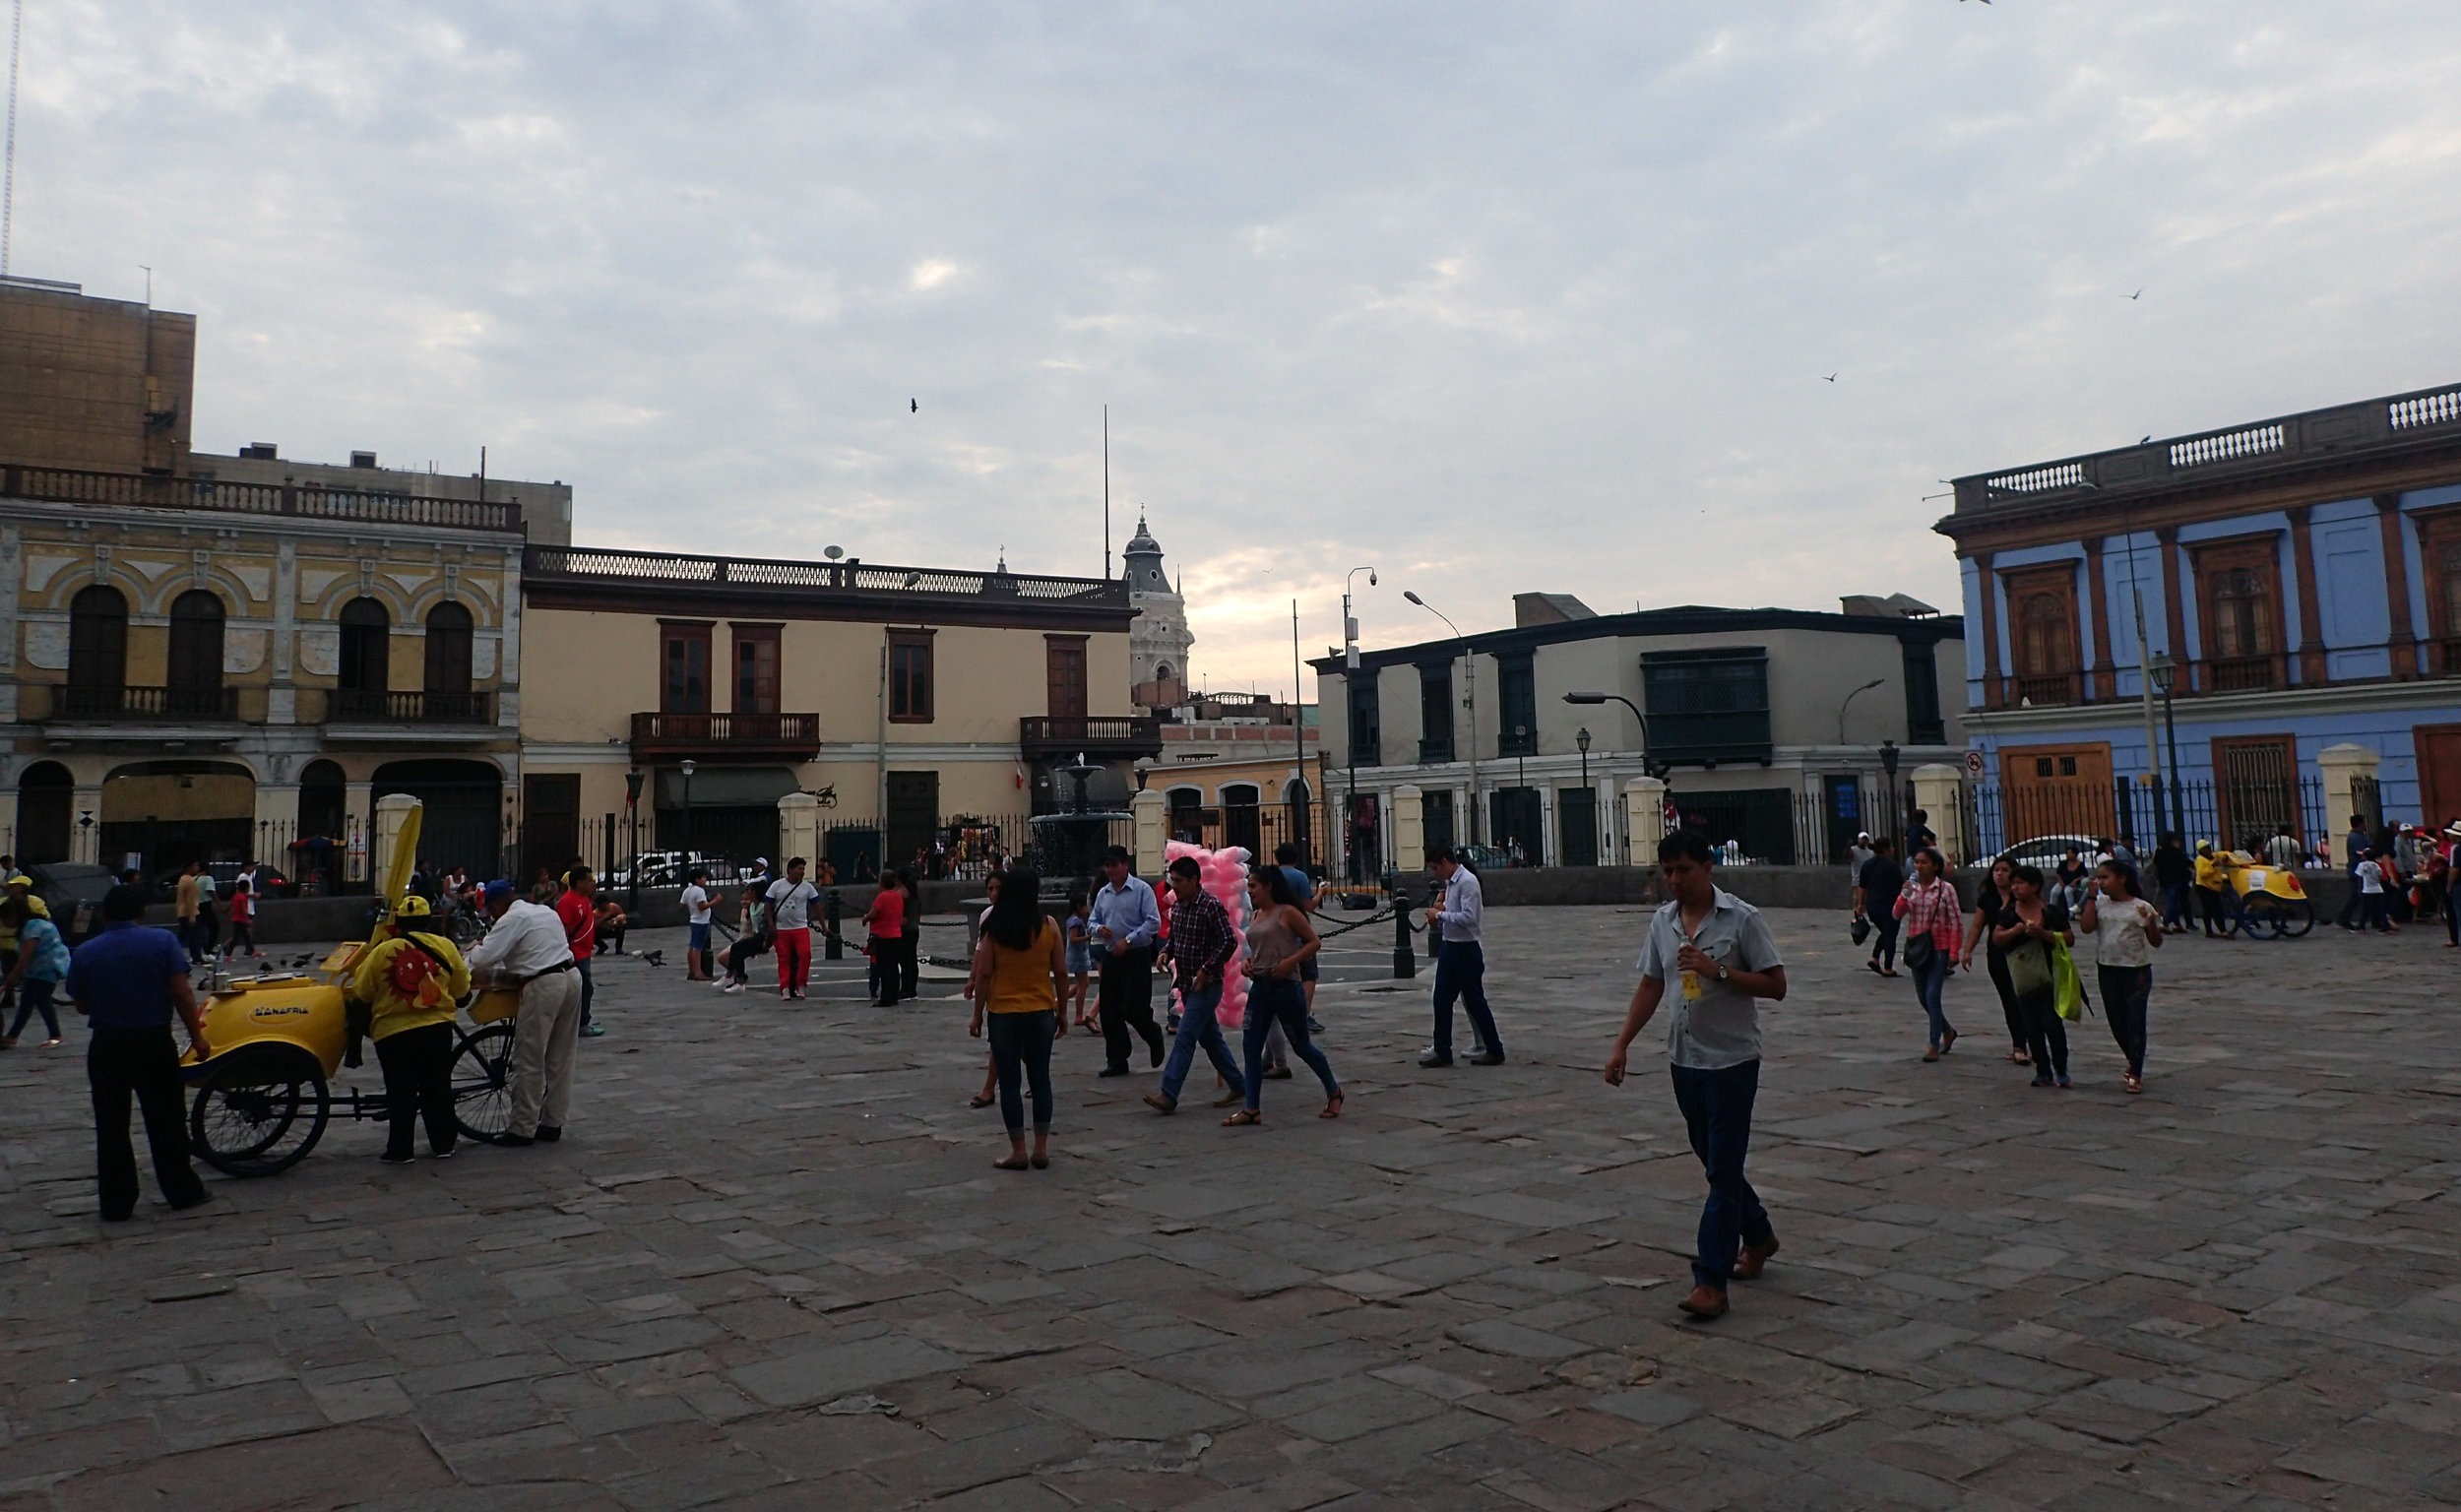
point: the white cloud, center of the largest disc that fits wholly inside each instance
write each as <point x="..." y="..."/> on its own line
<point x="1497" y="298"/>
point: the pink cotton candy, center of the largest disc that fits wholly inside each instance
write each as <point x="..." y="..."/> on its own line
<point x="1223" y="874"/>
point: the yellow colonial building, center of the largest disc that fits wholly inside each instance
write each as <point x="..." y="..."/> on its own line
<point x="909" y="702"/>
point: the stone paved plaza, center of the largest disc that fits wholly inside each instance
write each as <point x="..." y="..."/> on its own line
<point x="772" y="1266"/>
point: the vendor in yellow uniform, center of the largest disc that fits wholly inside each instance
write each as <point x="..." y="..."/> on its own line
<point x="22" y="888"/>
<point x="2214" y="892"/>
<point x="411" y="982"/>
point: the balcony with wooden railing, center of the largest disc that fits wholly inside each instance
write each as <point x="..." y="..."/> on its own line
<point x="353" y="706"/>
<point x="2045" y="690"/>
<point x="56" y="702"/>
<point x="1095" y="737"/>
<point x="725" y="738"/>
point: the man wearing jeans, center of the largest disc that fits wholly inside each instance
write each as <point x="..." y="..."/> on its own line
<point x="1202" y="943"/>
<point x="1719" y="950"/>
<point x="1460" y="916"/>
<point x="1125" y="922"/>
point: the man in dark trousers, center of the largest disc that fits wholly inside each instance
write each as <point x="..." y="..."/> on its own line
<point x="1711" y="953"/>
<point x="1876" y="888"/>
<point x="1457" y="917"/>
<point x="128" y="981"/>
<point x="1126" y="920"/>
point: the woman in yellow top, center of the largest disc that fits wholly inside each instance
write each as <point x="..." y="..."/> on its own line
<point x="1019" y="978"/>
<point x="412" y="982"/>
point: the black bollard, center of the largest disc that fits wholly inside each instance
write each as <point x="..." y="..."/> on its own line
<point x="1405" y="960"/>
<point x="833" y="913"/>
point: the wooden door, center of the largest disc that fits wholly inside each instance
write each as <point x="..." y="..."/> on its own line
<point x="551" y="824"/>
<point x="2056" y="789"/>
<point x="683" y="684"/>
<point x="1064" y="669"/>
<point x="2438" y="748"/>
<point x="756" y="670"/>
<point x="913" y="814"/>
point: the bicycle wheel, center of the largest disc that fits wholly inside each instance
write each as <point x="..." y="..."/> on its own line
<point x="482" y="1082"/>
<point x="258" y="1112"/>
<point x="2298" y="918"/>
<point x="2260" y="917"/>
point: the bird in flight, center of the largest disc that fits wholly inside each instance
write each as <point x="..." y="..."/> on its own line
<point x="1832" y="377"/>
<point x="2139" y="295"/>
<point x="913" y="406"/>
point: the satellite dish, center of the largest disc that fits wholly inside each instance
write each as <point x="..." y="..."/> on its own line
<point x="833" y="552"/>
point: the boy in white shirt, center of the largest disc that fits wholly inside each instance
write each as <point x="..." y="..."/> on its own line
<point x="695" y="919"/>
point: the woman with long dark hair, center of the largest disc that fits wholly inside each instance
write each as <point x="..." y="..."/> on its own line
<point x="2025" y="930"/>
<point x="1935" y="916"/>
<point x="1990" y="901"/>
<point x="1020" y="976"/>
<point x="2126" y="929"/>
<point x="1279" y="938"/>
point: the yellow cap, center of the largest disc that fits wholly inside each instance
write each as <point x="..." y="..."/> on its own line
<point x="20" y="880"/>
<point x="412" y="906"/>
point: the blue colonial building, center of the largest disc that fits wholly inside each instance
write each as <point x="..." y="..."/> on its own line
<point x="2298" y="585"/>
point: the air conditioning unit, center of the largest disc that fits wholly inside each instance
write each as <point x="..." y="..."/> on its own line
<point x="362" y="459"/>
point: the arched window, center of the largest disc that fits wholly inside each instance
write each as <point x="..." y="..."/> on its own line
<point x="46" y="799"/>
<point x="2043" y="645"/>
<point x="365" y="669"/>
<point x="448" y="662"/>
<point x="194" y="688"/>
<point x="2242" y="615"/>
<point x="97" y="651"/>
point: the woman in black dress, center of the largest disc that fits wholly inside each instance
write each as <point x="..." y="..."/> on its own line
<point x="2026" y="928"/>
<point x="1989" y="903"/>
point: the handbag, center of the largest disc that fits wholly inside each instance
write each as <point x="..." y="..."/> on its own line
<point x="2067" y="989"/>
<point x="2029" y="969"/>
<point x="1860" y="929"/>
<point x="1920" y="952"/>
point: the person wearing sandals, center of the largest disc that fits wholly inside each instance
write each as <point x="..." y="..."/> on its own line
<point x="2127" y="930"/>
<point x="2025" y="930"/>
<point x="1280" y="940"/>
<point x="1933" y="915"/>
<point x="1019" y="981"/>
<point x="1988" y="900"/>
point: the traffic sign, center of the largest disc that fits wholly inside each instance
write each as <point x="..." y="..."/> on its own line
<point x="1974" y="763"/>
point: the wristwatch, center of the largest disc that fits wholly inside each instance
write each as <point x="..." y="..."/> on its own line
<point x="1723" y="973"/>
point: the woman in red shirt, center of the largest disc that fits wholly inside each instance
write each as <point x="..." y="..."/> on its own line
<point x="886" y="920"/>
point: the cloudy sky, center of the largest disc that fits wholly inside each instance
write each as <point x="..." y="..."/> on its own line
<point x="1492" y="297"/>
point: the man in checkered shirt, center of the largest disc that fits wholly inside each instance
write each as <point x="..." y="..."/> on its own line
<point x="1202" y="943"/>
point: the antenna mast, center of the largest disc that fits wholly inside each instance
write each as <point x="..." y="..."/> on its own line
<point x="8" y="159"/>
<point x="1106" y="474"/>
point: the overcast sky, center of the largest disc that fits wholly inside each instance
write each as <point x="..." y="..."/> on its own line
<point x="1491" y="298"/>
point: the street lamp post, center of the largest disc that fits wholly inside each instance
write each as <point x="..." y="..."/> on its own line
<point x="1582" y="741"/>
<point x="1350" y="676"/>
<point x="1896" y="804"/>
<point x="1470" y="682"/>
<point x="1649" y="763"/>
<point x="1850" y="698"/>
<point x="632" y="826"/>
<point x="2165" y="672"/>
<point x="687" y="814"/>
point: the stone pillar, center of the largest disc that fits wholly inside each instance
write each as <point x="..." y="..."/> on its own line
<point x="798" y="830"/>
<point x="1410" y="832"/>
<point x="1152" y="813"/>
<point x="393" y="810"/>
<point x="1644" y="819"/>
<point x="1939" y="790"/>
<point x="2339" y="764"/>
<point x="358" y="803"/>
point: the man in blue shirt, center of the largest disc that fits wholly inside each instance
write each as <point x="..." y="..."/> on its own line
<point x="128" y="981"/>
<point x="1126" y="920"/>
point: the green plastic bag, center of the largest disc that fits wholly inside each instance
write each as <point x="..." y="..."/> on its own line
<point x="2067" y="989"/>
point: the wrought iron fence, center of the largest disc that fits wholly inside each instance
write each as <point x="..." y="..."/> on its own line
<point x="2239" y="815"/>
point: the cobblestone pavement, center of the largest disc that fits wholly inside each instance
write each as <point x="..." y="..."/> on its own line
<point x="772" y="1267"/>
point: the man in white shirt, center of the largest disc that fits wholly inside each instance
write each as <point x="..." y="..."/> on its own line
<point x="789" y="906"/>
<point x="527" y="948"/>
<point x="1460" y="918"/>
<point x="696" y="912"/>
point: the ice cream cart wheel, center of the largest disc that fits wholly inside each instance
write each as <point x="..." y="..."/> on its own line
<point x="258" y="1109"/>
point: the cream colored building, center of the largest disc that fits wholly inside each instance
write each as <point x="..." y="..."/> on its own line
<point x="922" y="696"/>
<point x="231" y="657"/>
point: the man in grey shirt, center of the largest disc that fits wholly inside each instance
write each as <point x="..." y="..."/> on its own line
<point x="1719" y="951"/>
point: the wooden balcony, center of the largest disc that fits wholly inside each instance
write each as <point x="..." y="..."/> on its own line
<point x="2048" y="690"/>
<point x="1095" y="737"/>
<point x="158" y="705"/>
<point x="725" y="738"/>
<point x="2242" y="675"/>
<point x="349" y="706"/>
